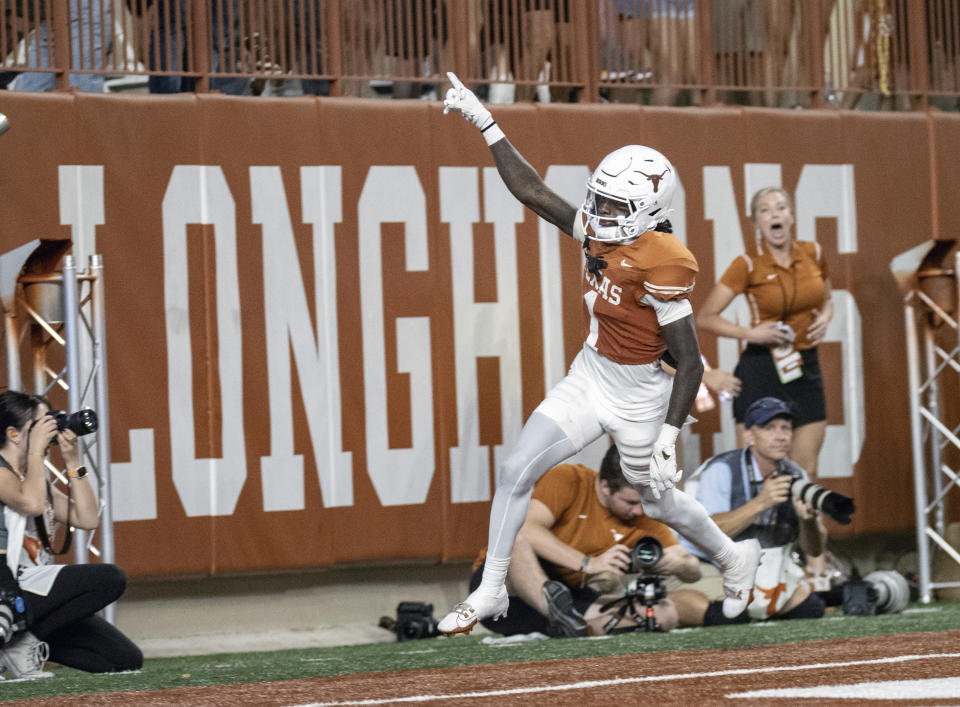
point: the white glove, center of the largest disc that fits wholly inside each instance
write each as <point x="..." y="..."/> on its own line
<point x="462" y="100"/>
<point x="664" y="473"/>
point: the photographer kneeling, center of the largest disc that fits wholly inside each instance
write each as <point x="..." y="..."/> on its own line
<point x="61" y="601"/>
<point x="757" y="492"/>
<point x="579" y="530"/>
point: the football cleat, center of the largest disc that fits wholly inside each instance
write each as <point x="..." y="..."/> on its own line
<point x="739" y="578"/>
<point x="474" y="608"/>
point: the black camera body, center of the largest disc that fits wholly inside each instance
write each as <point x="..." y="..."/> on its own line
<point x="415" y="620"/>
<point x="859" y="598"/>
<point x="647" y="589"/>
<point x="880" y="592"/>
<point x="13" y="615"/>
<point x="81" y="422"/>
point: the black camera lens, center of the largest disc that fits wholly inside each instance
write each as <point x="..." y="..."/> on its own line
<point x="81" y="422"/>
<point x="835" y="505"/>
<point x="645" y="554"/>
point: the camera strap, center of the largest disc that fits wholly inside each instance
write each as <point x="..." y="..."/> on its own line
<point x="41" y="525"/>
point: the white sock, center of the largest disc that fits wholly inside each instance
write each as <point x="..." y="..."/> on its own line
<point x="494" y="574"/>
<point x="726" y="557"/>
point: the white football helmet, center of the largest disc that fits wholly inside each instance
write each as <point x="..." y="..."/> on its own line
<point x="640" y="182"/>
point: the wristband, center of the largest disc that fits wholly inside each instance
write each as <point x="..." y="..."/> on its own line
<point x="583" y="563"/>
<point x="668" y="435"/>
<point x="77" y="473"/>
<point x="492" y="133"/>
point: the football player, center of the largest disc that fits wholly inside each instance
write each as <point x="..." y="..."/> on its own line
<point x="636" y="285"/>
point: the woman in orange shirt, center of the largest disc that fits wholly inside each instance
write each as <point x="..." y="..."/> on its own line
<point x="787" y="285"/>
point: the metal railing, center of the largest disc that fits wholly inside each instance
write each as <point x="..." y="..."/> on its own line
<point x="900" y="53"/>
<point x="933" y="362"/>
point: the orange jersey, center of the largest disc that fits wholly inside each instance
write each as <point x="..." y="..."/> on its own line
<point x="618" y="324"/>
<point x="776" y="293"/>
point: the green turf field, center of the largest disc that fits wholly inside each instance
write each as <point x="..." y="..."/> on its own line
<point x="160" y="673"/>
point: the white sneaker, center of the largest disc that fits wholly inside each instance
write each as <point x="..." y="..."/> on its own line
<point x="739" y="579"/>
<point x="474" y="608"/>
<point x="25" y="655"/>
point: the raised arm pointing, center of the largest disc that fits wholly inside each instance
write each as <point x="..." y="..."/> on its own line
<point x="520" y="177"/>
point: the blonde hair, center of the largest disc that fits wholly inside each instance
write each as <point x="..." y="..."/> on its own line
<point x="770" y="190"/>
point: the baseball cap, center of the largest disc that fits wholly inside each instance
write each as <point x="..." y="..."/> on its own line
<point x="763" y="410"/>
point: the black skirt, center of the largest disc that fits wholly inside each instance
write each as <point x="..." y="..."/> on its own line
<point x="758" y="377"/>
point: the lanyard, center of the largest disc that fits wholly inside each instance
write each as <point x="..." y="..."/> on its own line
<point x="787" y="307"/>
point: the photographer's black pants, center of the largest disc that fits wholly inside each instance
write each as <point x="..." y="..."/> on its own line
<point x="812" y="607"/>
<point x="66" y="619"/>
<point x="523" y="618"/>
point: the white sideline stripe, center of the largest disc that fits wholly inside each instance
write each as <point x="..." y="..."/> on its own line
<point x="627" y="681"/>
<point x="932" y="689"/>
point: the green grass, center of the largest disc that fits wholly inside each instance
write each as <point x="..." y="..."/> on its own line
<point x="161" y="673"/>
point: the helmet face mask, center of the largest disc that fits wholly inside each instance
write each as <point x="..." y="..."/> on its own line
<point x="629" y="193"/>
<point x="606" y="215"/>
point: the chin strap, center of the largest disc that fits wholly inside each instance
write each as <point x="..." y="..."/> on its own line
<point x="595" y="263"/>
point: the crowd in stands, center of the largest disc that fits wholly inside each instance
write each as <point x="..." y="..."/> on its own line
<point x="649" y="51"/>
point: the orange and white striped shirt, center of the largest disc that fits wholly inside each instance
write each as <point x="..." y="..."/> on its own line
<point x="776" y="293"/>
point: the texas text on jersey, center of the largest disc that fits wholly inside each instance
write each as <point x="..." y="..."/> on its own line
<point x="619" y="325"/>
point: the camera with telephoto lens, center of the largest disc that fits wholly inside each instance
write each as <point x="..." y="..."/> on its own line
<point x="81" y="422"/>
<point x="415" y="620"/>
<point x="830" y="503"/>
<point x="880" y="592"/>
<point x="13" y="612"/>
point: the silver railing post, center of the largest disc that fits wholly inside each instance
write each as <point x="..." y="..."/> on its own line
<point x="103" y="412"/>
<point x="71" y="306"/>
<point x="919" y="465"/>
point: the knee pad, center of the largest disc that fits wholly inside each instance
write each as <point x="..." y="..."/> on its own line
<point x="635" y="469"/>
<point x="636" y="477"/>
<point x="635" y="461"/>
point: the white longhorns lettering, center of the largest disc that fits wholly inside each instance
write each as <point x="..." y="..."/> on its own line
<point x="201" y="194"/>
